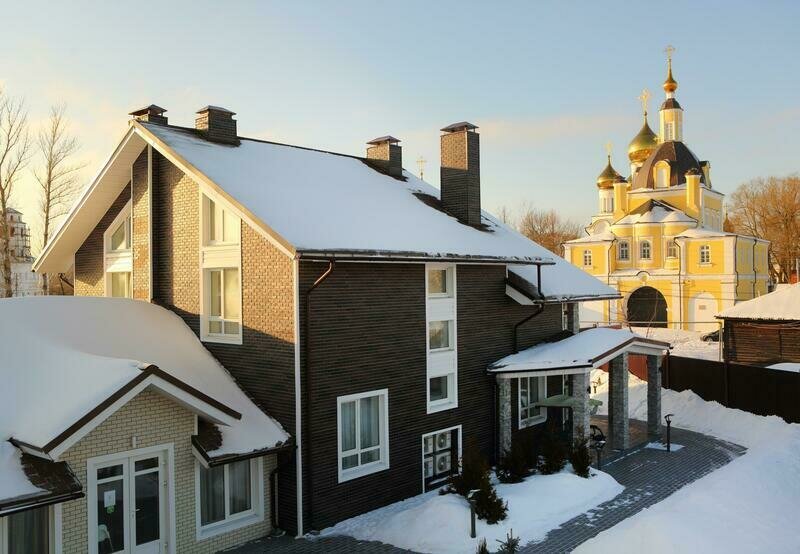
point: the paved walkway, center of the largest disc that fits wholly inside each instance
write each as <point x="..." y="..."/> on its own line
<point x="648" y="475"/>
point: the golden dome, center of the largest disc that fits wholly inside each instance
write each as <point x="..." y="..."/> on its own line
<point x="670" y="85"/>
<point x="609" y="175"/>
<point x="643" y="143"/>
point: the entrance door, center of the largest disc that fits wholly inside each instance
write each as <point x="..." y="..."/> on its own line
<point x="129" y="505"/>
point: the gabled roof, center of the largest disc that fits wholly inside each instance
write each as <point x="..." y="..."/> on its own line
<point x="578" y="353"/>
<point x="70" y="362"/>
<point x="655" y="211"/>
<point x="780" y="305"/>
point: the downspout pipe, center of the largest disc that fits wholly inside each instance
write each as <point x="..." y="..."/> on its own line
<point x="273" y="492"/>
<point x="308" y="383"/>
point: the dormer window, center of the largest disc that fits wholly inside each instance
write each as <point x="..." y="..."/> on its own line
<point x="118" y="257"/>
<point x="662" y="175"/>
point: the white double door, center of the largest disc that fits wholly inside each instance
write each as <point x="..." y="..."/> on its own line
<point x="128" y="504"/>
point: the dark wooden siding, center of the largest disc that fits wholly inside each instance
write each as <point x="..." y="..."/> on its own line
<point x="367" y="332"/>
<point x="761" y="342"/>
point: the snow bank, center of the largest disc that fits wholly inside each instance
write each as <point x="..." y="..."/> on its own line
<point x="64" y="355"/>
<point x="441" y="524"/>
<point x="684" y="343"/>
<point x="786" y="366"/>
<point x="750" y="505"/>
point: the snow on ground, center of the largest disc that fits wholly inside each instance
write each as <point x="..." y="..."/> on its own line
<point x="684" y="343"/>
<point x="750" y="505"/>
<point x="440" y="523"/>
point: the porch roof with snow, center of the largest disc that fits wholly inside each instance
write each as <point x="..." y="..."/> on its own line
<point x="780" y="305"/>
<point x="313" y="204"/>
<point x="576" y="354"/>
<point x="71" y="362"/>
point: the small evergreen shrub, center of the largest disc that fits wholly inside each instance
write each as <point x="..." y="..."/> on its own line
<point x="482" y="548"/>
<point x="580" y="458"/>
<point x="474" y="469"/>
<point x="553" y="452"/>
<point x="515" y="464"/>
<point x="489" y="506"/>
<point x="510" y="545"/>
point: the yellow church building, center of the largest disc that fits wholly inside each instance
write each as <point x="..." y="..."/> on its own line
<point x="658" y="237"/>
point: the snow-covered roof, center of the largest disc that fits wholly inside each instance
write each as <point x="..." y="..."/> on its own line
<point x="604" y="236"/>
<point x="14" y="482"/>
<point x="587" y="349"/>
<point x="65" y="356"/>
<point x="658" y="213"/>
<point x="321" y="202"/>
<point x="792" y="367"/>
<point x="780" y="305"/>
<point x="564" y="282"/>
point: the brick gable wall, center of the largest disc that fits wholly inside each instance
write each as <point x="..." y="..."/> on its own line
<point x="140" y="228"/>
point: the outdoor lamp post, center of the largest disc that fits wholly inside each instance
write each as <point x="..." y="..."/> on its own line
<point x="598" y="442"/>
<point x="471" y="499"/>
<point x="668" y="419"/>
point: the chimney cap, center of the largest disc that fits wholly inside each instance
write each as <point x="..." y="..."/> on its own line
<point x="460" y="126"/>
<point x="388" y="138"/>
<point x="151" y="109"/>
<point x="211" y="108"/>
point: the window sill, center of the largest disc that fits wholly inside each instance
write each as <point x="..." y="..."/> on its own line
<point x="355" y="473"/>
<point x="441" y="406"/>
<point x="525" y="423"/>
<point x="232" y="524"/>
<point x="237" y="339"/>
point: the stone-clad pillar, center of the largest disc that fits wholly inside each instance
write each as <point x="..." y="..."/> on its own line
<point x="504" y="412"/>
<point x="580" y="410"/>
<point x="618" y="393"/>
<point x="654" y="396"/>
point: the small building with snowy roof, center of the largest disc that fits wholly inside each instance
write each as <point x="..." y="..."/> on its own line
<point x="764" y="330"/>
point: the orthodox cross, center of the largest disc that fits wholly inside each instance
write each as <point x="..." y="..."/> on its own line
<point x="644" y="97"/>
<point x="608" y="150"/>
<point x="421" y="165"/>
<point x="669" y="50"/>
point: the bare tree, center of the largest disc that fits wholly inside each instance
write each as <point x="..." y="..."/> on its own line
<point x="769" y="208"/>
<point x="14" y="154"/>
<point x="58" y="175"/>
<point x="548" y="228"/>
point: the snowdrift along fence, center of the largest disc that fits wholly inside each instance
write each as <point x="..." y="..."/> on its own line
<point x="758" y="390"/>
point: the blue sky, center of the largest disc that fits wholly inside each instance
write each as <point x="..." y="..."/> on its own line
<point x="549" y="83"/>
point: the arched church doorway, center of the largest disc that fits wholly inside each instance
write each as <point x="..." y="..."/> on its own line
<point x="647" y="307"/>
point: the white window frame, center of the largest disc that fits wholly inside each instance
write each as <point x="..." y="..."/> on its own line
<point x="371" y="467"/>
<point x="704" y="251"/>
<point x="218" y="256"/>
<point x="669" y="245"/>
<point x="649" y="244"/>
<point x="92" y="464"/>
<point x="661" y="169"/>
<point x="627" y="257"/>
<point x="587" y="257"/>
<point x="232" y="521"/>
<point x="118" y="261"/>
<point x="221" y="212"/>
<point x="536" y="420"/>
<point x="442" y="362"/>
<point x="54" y="531"/>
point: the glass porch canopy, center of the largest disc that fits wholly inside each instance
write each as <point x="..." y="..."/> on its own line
<point x="576" y="354"/>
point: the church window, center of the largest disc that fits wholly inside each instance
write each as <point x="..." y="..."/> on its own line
<point x="645" y="250"/>
<point x="587" y="258"/>
<point x="662" y="175"/>
<point x="624" y="250"/>
<point x="672" y="249"/>
<point x="705" y="254"/>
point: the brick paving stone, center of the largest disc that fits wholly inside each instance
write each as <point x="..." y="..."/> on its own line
<point x="649" y="476"/>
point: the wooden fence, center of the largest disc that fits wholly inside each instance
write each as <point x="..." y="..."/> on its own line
<point x="755" y="389"/>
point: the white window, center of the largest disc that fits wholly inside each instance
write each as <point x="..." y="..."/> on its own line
<point x="531" y="391"/>
<point x="224" y="319"/>
<point x="228" y="496"/>
<point x="440" y="292"/>
<point x="587" y="258"/>
<point x="662" y="175"/>
<point x="363" y="433"/>
<point x="221" y="276"/>
<point x="645" y="250"/>
<point x="669" y="130"/>
<point x="705" y="254"/>
<point x="624" y="250"/>
<point x="28" y="532"/>
<point x="220" y="226"/>
<point x="118" y="257"/>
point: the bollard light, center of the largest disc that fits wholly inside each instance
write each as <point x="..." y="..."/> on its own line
<point x="471" y="499"/>
<point x="668" y="419"/>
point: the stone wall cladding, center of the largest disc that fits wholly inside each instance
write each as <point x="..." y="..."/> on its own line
<point x="140" y="227"/>
<point x="89" y="275"/>
<point x="654" y="396"/>
<point x="618" y="402"/>
<point x="154" y="420"/>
